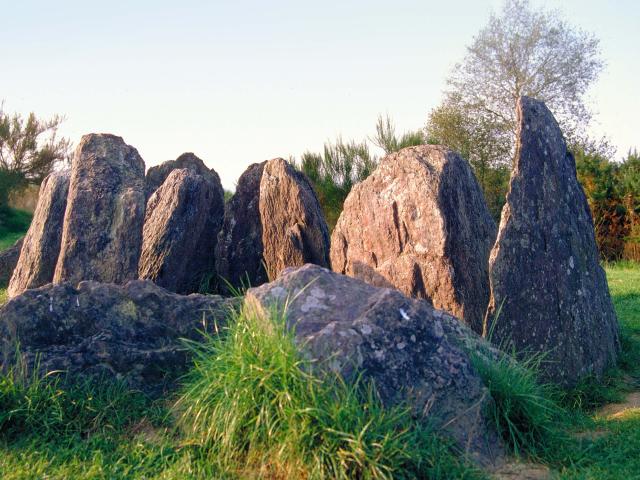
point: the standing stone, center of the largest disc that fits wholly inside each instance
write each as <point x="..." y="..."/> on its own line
<point x="420" y="224"/>
<point x="415" y="355"/>
<point x="41" y="247"/>
<point x="294" y="231"/>
<point x="239" y="249"/>
<point x="182" y="222"/>
<point x="9" y="260"/>
<point x="158" y="174"/>
<point x="546" y="280"/>
<point x="102" y="232"/>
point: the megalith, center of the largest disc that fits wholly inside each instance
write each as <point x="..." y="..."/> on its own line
<point x="549" y="294"/>
<point x="41" y="247"/>
<point x="182" y="221"/>
<point x="102" y="231"/>
<point x="419" y="223"/>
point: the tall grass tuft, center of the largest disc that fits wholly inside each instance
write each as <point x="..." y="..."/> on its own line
<point x="527" y="414"/>
<point x="254" y="407"/>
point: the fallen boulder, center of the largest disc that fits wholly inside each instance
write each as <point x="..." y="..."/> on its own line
<point x="419" y="223"/>
<point x="132" y="332"/>
<point x="9" y="260"/>
<point x="412" y="352"/>
<point x="549" y="294"/>
<point x="102" y="231"/>
<point x="294" y="231"/>
<point x="182" y="221"/>
<point x="39" y="254"/>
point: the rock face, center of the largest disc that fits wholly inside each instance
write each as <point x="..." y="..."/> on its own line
<point x="239" y="249"/>
<point x="181" y="226"/>
<point x="102" y="233"/>
<point x="9" y="260"/>
<point x="419" y="223"/>
<point x="132" y="332"/>
<point x="41" y="248"/>
<point x="546" y="280"/>
<point x="412" y="352"/>
<point x="273" y="221"/>
<point x="157" y="175"/>
<point x="294" y="231"/>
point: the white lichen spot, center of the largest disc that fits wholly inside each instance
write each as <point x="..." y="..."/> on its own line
<point x="571" y="264"/>
<point x="401" y="345"/>
<point x="404" y="315"/>
<point x="366" y="329"/>
<point x="413" y="338"/>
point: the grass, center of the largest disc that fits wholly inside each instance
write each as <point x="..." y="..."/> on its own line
<point x="252" y="408"/>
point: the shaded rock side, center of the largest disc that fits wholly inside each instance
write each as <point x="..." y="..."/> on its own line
<point x="102" y="232"/>
<point x="239" y="249"/>
<point x="9" y="260"/>
<point x="413" y="353"/>
<point x="182" y="221"/>
<point x="546" y="280"/>
<point x="294" y="231"/>
<point x="41" y="248"/>
<point x="131" y="332"/>
<point x="157" y="175"/>
<point x="420" y="224"/>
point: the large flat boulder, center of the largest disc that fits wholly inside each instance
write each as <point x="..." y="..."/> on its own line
<point x="181" y="226"/>
<point x="39" y="255"/>
<point x="294" y="231"/>
<point x="132" y="332"/>
<point x="273" y="221"/>
<point x="413" y="353"/>
<point x="102" y="232"/>
<point x="419" y="223"/>
<point x="547" y="284"/>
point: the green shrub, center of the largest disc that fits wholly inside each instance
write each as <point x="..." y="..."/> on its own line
<point x="253" y="405"/>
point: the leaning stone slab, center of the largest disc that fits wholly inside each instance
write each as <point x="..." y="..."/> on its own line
<point x="132" y="332"/>
<point x="413" y="353"/>
<point x="273" y="221"/>
<point x="157" y="175"/>
<point x="549" y="293"/>
<point x="102" y="232"/>
<point x="294" y="231"/>
<point x="182" y="221"/>
<point x="41" y="248"/>
<point x="419" y="223"/>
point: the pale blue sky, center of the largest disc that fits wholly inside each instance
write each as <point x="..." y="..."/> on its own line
<point x="240" y="82"/>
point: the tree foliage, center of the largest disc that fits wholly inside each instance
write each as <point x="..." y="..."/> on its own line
<point x="29" y="150"/>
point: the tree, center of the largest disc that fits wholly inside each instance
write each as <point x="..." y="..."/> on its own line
<point x="527" y="51"/>
<point x="387" y="140"/>
<point x="29" y="150"/>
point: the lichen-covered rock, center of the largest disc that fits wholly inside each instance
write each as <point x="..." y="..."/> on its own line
<point x="182" y="221"/>
<point x="239" y="249"/>
<point x="132" y="332"/>
<point x="419" y="223"/>
<point x="102" y="232"/>
<point x="294" y="231"/>
<point x="9" y="260"/>
<point x="412" y="352"/>
<point x="39" y="254"/>
<point x="157" y="175"/>
<point x="546" y="280"/>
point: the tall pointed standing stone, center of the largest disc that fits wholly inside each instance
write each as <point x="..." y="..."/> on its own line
<point x="546" y="281"/>
<point x="102" y="233"/>
<point x="419" y="223"/>
<point x="41" y="246"/>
